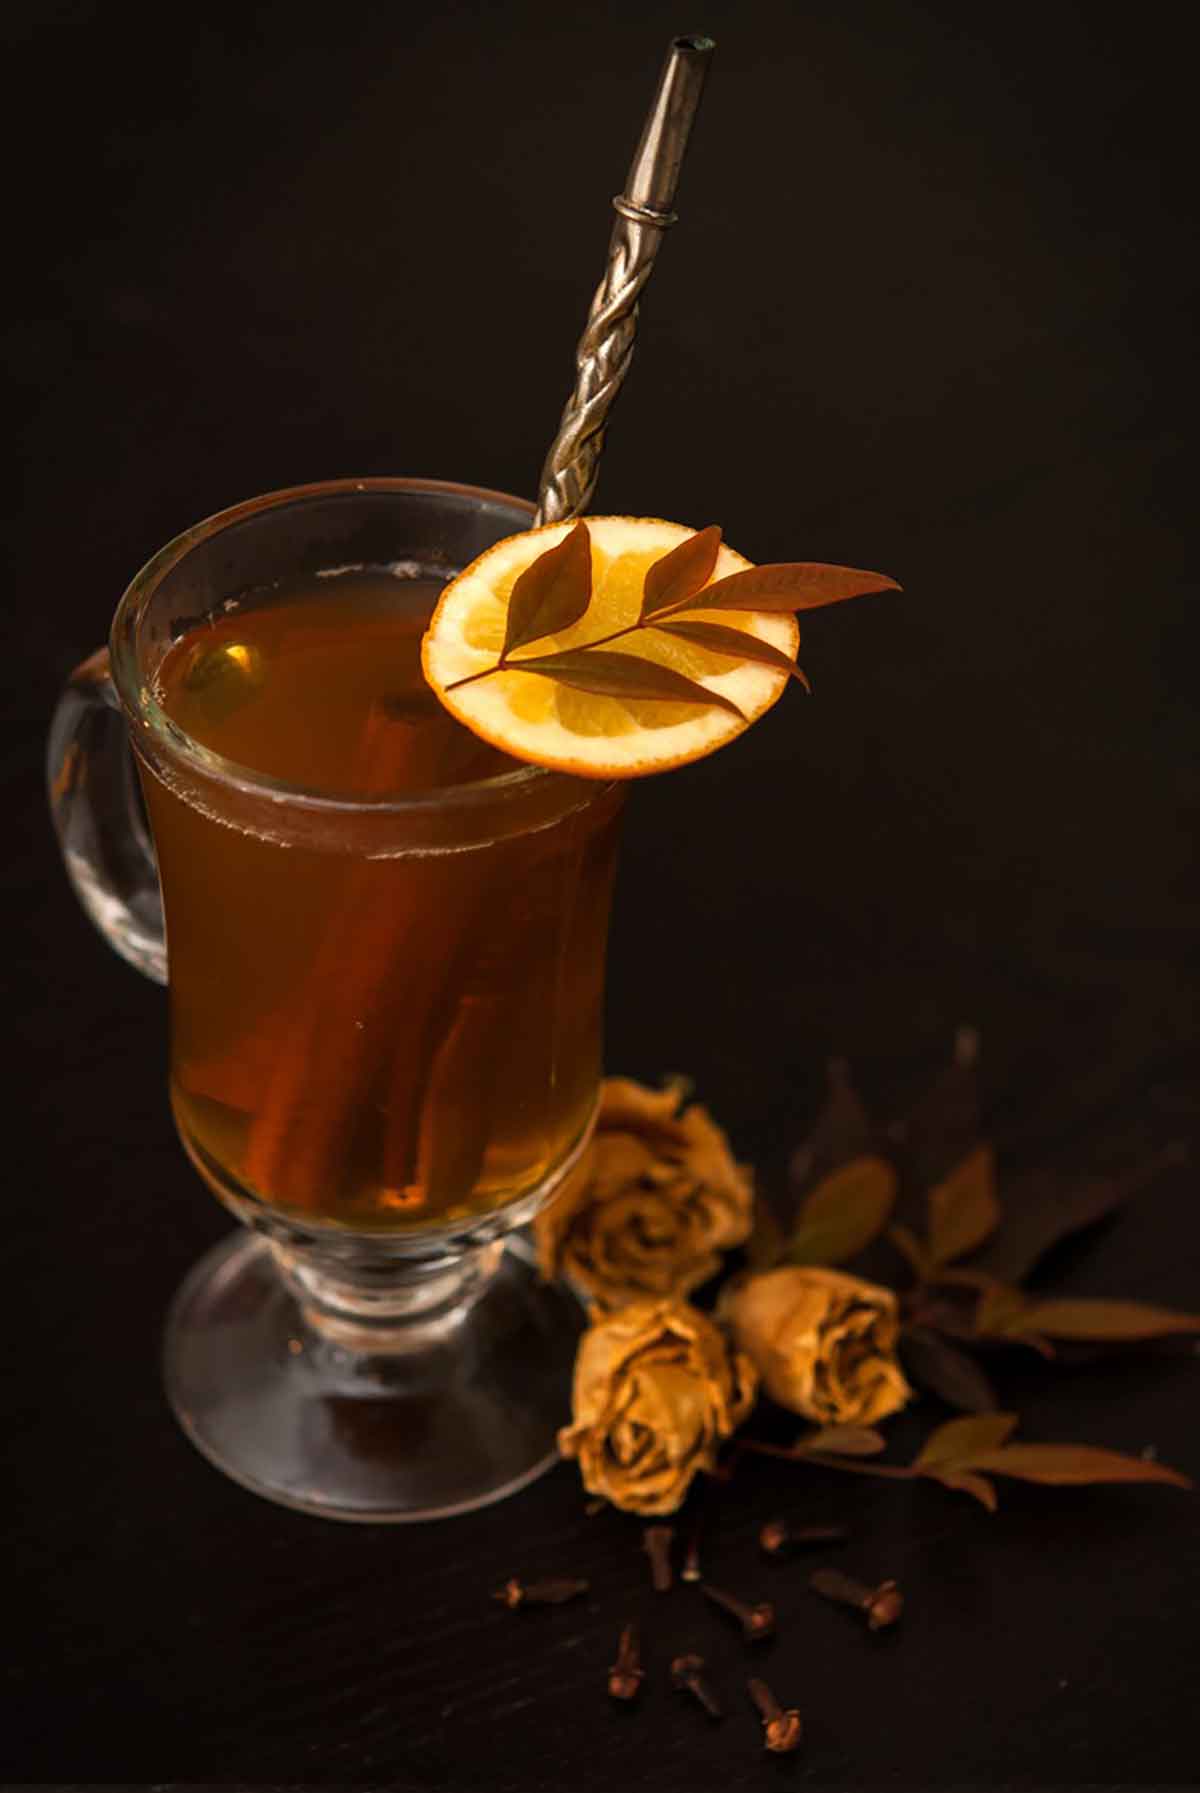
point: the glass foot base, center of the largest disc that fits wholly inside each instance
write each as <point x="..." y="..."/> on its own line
<point x="463" y="1415"/>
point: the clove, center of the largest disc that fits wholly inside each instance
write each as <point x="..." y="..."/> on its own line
<point x="778" y="1538"/>
<point x="687" y="1676"/>
<point x="691" y="1561"/>
<point x="756" y="1621"/>
<point x="516" y="1593"/>
<point x="626" y="1674"/>
<point x="656" y="1542"/>
<point x="781" y="1728"/>
<point x="881" y="1605"/>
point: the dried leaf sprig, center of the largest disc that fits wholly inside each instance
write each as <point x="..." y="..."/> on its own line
<point x="555" y="591"/>
<point x="963" y="1454"/>
<point x="979" y="1237"/>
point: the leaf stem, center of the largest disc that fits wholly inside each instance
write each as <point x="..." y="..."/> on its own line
<point x="896" y="1471"/>
<point x="503" y="665"/>
<point x="471" y="677"/>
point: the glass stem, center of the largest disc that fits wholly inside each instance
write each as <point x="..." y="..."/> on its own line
<point x="360" y="1303"/>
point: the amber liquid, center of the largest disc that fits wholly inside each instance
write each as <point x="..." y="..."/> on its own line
<point x="380" y="1041"/>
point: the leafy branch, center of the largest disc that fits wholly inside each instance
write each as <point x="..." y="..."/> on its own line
<point x="979" y="1240"/>
<point x="555" y="592"/>
<point x="964" y="1454"/>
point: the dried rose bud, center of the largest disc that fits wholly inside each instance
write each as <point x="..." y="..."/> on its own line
<point x="824" y="1343"/>
<point x="653" y="1203"/>
<point x="657" y="1391"/>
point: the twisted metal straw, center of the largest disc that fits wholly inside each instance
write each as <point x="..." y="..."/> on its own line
<point x="606" y="347"/>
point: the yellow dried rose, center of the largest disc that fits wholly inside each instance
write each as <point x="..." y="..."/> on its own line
<point x="824" y="1343"/>
<point x="657" y="1390"/>
<point x="654" y="1201"/>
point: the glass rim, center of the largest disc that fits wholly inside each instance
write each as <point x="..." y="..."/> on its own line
<point x="142" y="708"/>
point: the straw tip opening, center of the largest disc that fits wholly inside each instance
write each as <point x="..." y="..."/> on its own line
<point x="694" y="42"/>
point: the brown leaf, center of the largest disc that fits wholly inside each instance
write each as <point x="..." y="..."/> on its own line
<point x="845" y="1441"/>
<point x="553" y="592"/>
<point x="996" y="1321"/>
<point x="623" y="675"/>
<point x="1064" y="1465"/>
<point x="736" y="644"/>
<point x="675" y="577"/>
<point x="959" y="1276"/>
<point x="842" y="1131"/>
<point x="766" y="1240"/>
<point x="845" y="1211"/>
<point x="1036" y="1341"/>
<point x="912" y="1250"/>
<point x="1079" y="1318"/>
<point x="960" y="1441"/>
<point x="944" y="1370"/>
<point x="943" y="1125"/>
<point x="1000" y="1307"/>
<point x="1045" y="1206"/>
<point x="965" y="1481"/>
<point x="963" y="1209"/>
<point x="791" y="585"/>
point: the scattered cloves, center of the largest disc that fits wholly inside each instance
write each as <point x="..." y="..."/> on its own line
<point x="516" y="1593"/>
<point x="656" y="1542"/>
<point x="882" y="1605"/>
<point x="778" y="1538"/>
<point x="686" y="1673"/>
<point x="626" y="1674"/>
<point x="781" y="1729"/>
<point x="756" y="1621"/>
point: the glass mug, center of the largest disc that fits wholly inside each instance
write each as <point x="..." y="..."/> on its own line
<point x="386" y="1018"/>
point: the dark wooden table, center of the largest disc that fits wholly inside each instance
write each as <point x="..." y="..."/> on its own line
<point x="929" y="309"/>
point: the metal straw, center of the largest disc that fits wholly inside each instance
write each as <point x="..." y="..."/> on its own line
<point x="606" y="347"/>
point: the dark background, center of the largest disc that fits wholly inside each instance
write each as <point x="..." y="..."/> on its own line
<point x="929" y="309"/>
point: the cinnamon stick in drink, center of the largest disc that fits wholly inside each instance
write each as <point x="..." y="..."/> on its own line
<point x="333" y="1041"/>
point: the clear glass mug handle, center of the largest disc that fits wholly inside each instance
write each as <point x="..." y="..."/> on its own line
<point x="101" y="829"/>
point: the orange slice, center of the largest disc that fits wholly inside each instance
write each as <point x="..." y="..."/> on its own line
<point x="537" y="718"/>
